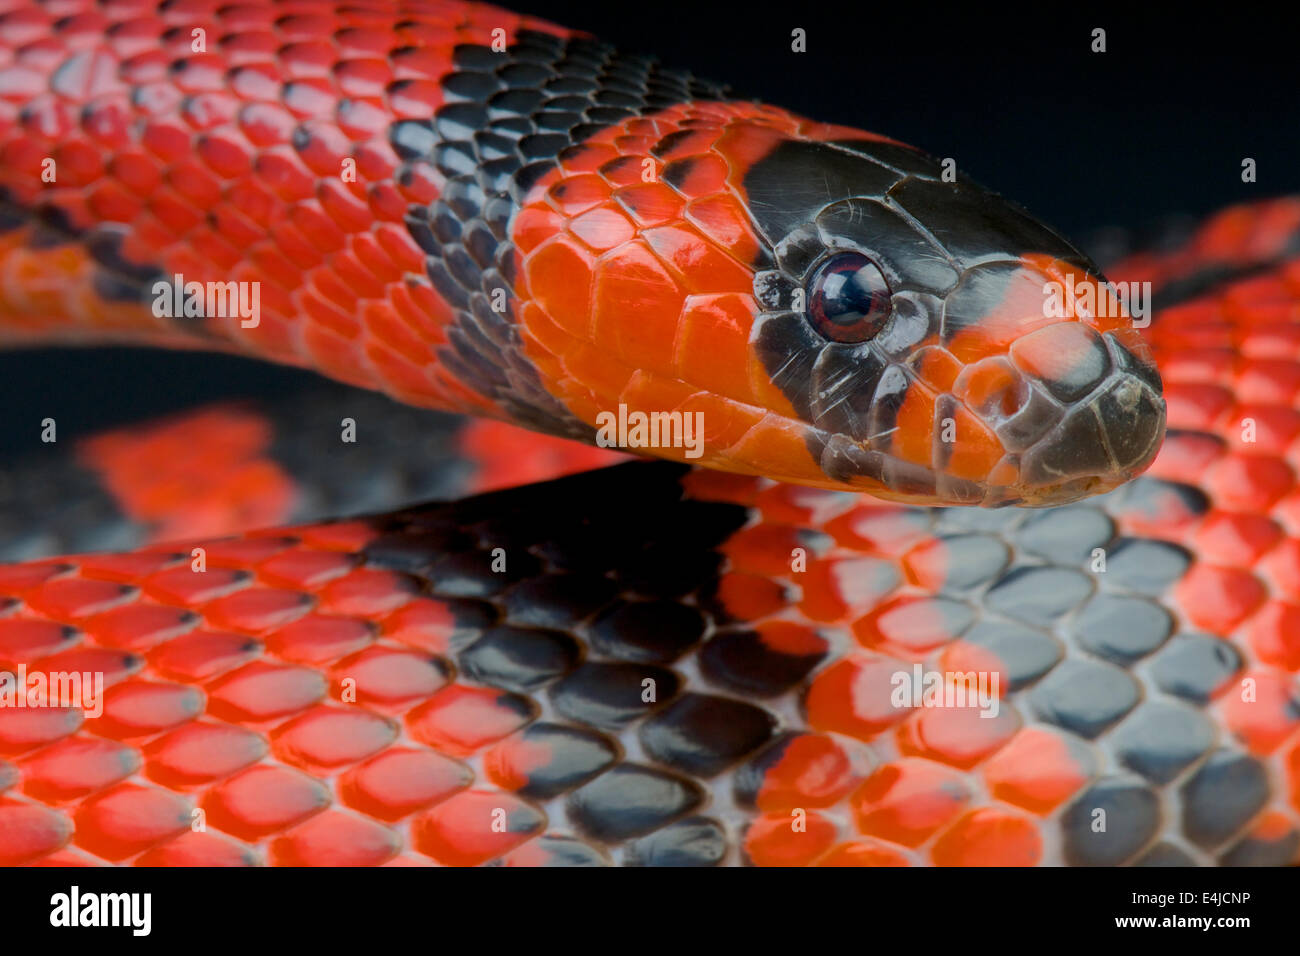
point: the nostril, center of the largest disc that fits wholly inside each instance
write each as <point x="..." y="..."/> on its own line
<point x="993" y="389"/>
<point x="1069" y="358"/>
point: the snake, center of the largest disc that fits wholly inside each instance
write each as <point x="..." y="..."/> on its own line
<point x="938" y="555"/>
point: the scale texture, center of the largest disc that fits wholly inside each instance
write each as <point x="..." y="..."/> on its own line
<point x="643" y="665"/>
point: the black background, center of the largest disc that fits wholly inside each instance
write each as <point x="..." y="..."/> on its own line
<point x="1156" y="126"/>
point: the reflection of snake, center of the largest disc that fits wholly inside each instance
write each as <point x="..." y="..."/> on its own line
<point x="476" y="211"/>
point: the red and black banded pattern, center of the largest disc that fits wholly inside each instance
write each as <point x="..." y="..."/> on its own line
<point x="475" y="211"/>
<point x="707" y="674"/>
<point x="322" y="451"/>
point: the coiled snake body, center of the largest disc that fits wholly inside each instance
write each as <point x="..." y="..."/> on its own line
<point x="754" y="660"/>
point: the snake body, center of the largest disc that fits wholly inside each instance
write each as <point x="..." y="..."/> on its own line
<point x="478" y="212"/>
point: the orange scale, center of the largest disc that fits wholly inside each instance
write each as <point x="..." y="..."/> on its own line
<point x="1169" y="517"/>
<point x="628" y="170"/>
<point x="560" y="279"/>
<point x="391" y="329"/>
<point x="976" y="450"/>
<point x="699" y="266"/>
<point x="596" y="374"/>
<point x="29" y="832"/>
<point x="337" y="536"/>
<point x="1218" y="599"/>
<point x="586" y="157"/>
<point x="989" y="837"/>
<point x="198" y="849"/>
<point x="1246" y="293"/>
<point x="725" y="421"/>
<point x="651" y="392"/>
<point x="853" y="697"/>
<point x="475" y="826"/>
<point x="261" y="691"/>
<point x="961" y="656"/>
<point x="22" y="641"/>
<point x="325" y="738"/>
<point x="257" y="609"/>
<point x="927" y="565"/>
<point x="863" y="853"/>
<point x="401" y="781"/>
<point x="638" y="145"/>
<point x="1197" y="407"/>
<point x="76" y="767"/>
<point x="197" y="754"/>
<point x="1237" y="540"/>
<point x="367" y="593"/>
<point x="1268" y="381"/>
<point x="833" y="587"/>
<point x="812" y="771"/>
<point x="19" y="578"/>
<point x="1272" y="341"/>
<point x="631" y="282"/>
<point x="711" y="348"/>
<point x="909" y="800"/>
<point x="115" y="665"/>
<point x="1038" y="770"/>
<point x="237" y="552"/>
<point x="936" y="367"/>
<point x="335" y="838"/>
<point x="1266" y="720"/>
<point x="650" y="204"/>
<point x="304" y="568"/>
<point x="702" y="485"/>
<point x="406" y="381"/>
<point x="574" y="195"/>
<point x="25" y="729"/>
<point x="750" y="597"/>
<point x="788" y="839"/>
<point x="602" y="228"/>
<point x="799" y="504"/>
<point x="766" y="550"/>
<point x="1185" y="456"/>
<point x="330" y="335"/>
<point x="1194" y="366"/>
<point x="1248" y="483"/>
<point x="724" y="220"/>
<point x="460" y="720"/>
<point x="186" y="587"/>
<point x="316" y="639"/>
<point x="782" y="442"/>
<point x="692" y="143"/>
<point x="202" y="655"/>
<point x="138" y="708"/>
<point x="138" y="627"/>
<point x="884" y="528"/>
<point x="958" y="736"/>
<point x="1280" y="568"/>
<point x="388" y="678"/>
<point x="703" y="174"/>
<point x="511" y="763"/>
<point x="72" y="599"/>
<point x="129" y="819"/>
<point x="263" y="800"/>
<point x="1274" y="633"/>
<point x="913" y="626"/>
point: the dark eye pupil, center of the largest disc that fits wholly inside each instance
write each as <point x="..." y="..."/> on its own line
<point x="849" y="298"/>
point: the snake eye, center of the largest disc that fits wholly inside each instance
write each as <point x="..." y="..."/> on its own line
<point x="849" y="298"/>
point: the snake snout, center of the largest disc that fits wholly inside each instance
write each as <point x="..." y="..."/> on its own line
<point x="1112" y="414"/>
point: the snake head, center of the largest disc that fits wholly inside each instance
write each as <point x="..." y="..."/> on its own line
<point x="837" y="311"/>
